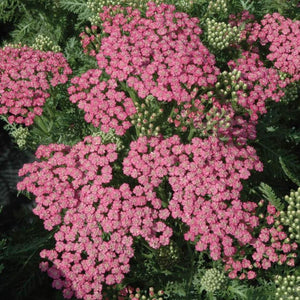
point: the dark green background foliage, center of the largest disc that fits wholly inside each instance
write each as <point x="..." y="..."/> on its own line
<point x="21" y="233"/>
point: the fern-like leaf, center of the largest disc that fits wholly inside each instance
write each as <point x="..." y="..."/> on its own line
<point x="293" y="177"/>
<point x="77" y="7"/>
<point x="269" y="194"/>
<point x="74" y="6"/>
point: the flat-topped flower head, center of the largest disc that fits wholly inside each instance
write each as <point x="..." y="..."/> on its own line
<point x="159" y="55"/>
<point x="94" y="222"/>
<point x="262" y="84"/>
<point x="58" y="180"/>
<point x="26" y="75"/>
<point x="283" y="37"/>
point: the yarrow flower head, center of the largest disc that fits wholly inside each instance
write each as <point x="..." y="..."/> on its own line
<point x="262" y="84"/>
<point x="104" y="192"/>
<point x="270" y="245"/>
<point x="203" y="175"/>
<point x="95" y="223"/>
<point x="26" y="75"/>
<point x="283" y="37"/>
<point x="159" y="55"/>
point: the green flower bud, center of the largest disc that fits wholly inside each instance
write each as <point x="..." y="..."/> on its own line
<point x="213" y="280"/>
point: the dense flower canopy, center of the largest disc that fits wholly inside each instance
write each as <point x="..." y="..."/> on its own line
<point x="100" y="198"/>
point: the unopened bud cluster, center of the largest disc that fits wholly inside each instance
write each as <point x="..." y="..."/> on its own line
<point x="213" y="280"/>
<point x="168" y="256"/>
<point x="291" y="217"/>
<point x="139" y="4"/>
<point x="288" y="287"/>
<point x="20" y="135"/>
<point x="214" y="120"/>
<point x="228" y="84"/>
<point x="220" y="34"/>
<point x="110" y="138"/>
<point x="217" y="7"/>
<point x="96" y="6"/>
<point x="145" y="119"/>
<point x="136" y="293"/>
<point x="204" y="115"/>
<point x="44" y="43"/>
<point x="13" y="45"/>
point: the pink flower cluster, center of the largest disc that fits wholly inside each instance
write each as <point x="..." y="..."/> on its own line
<point x="95" y="223"/>
<point x="283" y="36"/>
<point x="204" y="175"/>
<point x="270" y="245"/>
<point x="160" y="54"/>
<point x="262" y="84"/>
<point x="157" y="54"/>
<point x="206" y="180"/>
<point x="102" y="102"/>
<point x="26" y="76"/>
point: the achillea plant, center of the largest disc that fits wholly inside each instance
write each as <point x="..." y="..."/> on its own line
<point x="165" y="157"/>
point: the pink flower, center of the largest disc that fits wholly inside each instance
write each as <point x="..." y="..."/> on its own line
<point x="251" y="275"/>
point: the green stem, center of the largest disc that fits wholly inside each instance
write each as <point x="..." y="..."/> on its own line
<point x="191" y="134"/>
<point x="189" y="283"/>
<point x="134" y="98"/>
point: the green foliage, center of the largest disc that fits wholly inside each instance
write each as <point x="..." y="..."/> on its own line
<point x="78" y="8"/>
<point x="269" y="194"/>
<point x="11" y="160"/>
<point x="236" y="290"/>
<point x="175" y="290"/>
<point x="25" y="238"/>
<point x="78" y="61"/>
<point x="9" y="10"/>
<point x="32" y="18"/>
<point x="263" y="290"/>
<point x="293" y="177"/>
<point x="289" y="8"/>
<point x="62" y="127"/>
<point x="277" y="143"/>
<point x="2" y="246"/>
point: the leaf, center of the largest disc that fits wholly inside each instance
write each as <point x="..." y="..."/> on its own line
<point x="78" y="7"/>
<point x="269" y="194"/>
<point x="237" y="289"/>
<point x="75" y="6"/>
<point x="288" y="172"/>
